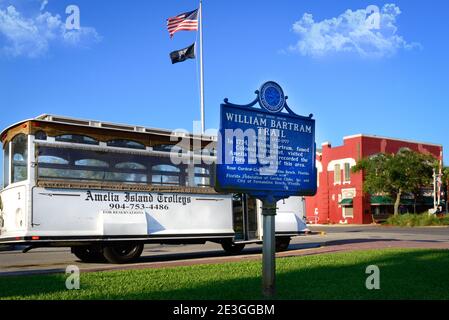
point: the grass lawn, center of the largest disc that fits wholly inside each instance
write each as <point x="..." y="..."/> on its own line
<point x="404" y="274"/>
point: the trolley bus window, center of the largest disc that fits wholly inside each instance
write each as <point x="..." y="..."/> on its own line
<point x="76" y="138"/>
<point x="52" y="160"/>
<point x="40" y="135"/>
<point x="126" y="177"/>
<point x="77" y="164"/>
<point x="130" y="166"/>
<point x="6" y="166"/>
<point x="207" y="152"/>
<point x="120" y="143"/>
<point x="251" y="207"/>
<point x="19" y="158"/>
<point x="238" y="207"/>
<point x="62" y="163"/>
<point x="133" y="172"/>
<point x="71" y="174"/>
<point x="202" y="177"/>
<point x="91" y="163"/>
<point x="164" y="174"/>
<point x="169" y="148"/>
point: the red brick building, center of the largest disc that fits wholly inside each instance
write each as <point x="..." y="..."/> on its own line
<point x="340" y="197"/>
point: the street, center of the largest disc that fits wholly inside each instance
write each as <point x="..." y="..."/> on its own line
<point x="325" y="239"/>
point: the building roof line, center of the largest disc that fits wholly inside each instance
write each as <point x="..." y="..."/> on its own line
<point x="389" y="138"/>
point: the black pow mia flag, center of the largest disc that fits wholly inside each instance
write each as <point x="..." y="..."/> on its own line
<point x="183" y="54"/>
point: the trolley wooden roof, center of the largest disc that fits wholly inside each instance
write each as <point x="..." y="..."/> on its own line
<point x="54" y="125"/>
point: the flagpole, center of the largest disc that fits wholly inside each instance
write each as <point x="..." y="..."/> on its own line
<point x="201" y="69"/>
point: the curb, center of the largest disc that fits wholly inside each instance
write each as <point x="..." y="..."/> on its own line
<point x="316" y="233"/>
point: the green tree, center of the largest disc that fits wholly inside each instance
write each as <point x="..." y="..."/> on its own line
<point x="396" y="174"/>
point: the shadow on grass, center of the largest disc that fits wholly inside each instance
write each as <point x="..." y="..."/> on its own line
<point x="24" y="286"/>
<point x="404" y="274"/>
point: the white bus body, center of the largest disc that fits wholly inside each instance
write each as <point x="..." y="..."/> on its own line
<point x="42" y="204"/>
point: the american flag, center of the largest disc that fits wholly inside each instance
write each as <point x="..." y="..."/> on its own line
<point x="185" y="21"/>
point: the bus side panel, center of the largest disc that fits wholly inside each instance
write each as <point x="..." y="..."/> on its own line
<point x="290" y="215"/>
<point x="14" y="201"/>
<point x="64" y="213"/>
<point x="101" y="213"/>
<point x="200" y="214"/>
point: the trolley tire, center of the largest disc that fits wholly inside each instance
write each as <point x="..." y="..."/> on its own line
<point x="232" y="248"/>
<point x="282" y="243"/>
<point x="123" y="253"/>
<point x="88" y="254"/>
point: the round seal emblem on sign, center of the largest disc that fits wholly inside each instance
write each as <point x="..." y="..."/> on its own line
<point x="271" y="97"/>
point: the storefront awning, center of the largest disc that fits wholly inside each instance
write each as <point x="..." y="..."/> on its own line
<point x="381" y="201"/>
<point x="388" y="201"/>
<point x="346" y="202"/>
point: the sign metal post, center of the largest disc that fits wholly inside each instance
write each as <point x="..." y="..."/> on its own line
<point x="269" y="155"/>
<point x="269" y="249"/>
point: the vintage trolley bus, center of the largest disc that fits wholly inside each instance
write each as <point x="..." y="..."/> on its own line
<point x="106" y="189"/>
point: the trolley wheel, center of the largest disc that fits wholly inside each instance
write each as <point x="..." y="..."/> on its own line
<point x="88" y="254"/>
<point x="123" y="253"/>
<point x="232" y="248"/>
<point x="282" y="243"/>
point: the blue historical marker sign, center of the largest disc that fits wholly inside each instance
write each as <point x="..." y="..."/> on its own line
<point x="265" y="152"/>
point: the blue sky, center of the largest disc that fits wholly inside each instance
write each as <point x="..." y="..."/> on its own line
<point x="392" y="81"/>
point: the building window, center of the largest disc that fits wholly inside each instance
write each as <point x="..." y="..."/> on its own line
<point x="348" y="212"/>
<point x="19" y="153"/>
<point x="347" y="172"/>
<point x="319" y="169"/>
<point x="337" y="174"/>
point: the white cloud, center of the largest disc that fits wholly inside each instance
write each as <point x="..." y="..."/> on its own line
<point x="349" y="32"/>
<point x="31" y="37"/>
<point x="43" y="5"/>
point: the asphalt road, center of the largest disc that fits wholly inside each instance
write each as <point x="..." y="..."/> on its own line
<point x="57" y="259"/>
